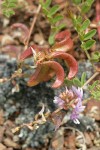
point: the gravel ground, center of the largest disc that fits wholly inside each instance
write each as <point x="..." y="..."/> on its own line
<point x="21" y="106"/>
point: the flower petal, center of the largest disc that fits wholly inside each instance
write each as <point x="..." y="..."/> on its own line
<point x="58" y="101"/>
<point x="78" y="92"/>
<point x="76" y="121"/>
<point x="74" y="115"/>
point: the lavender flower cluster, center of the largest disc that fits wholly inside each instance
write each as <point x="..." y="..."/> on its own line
<point x="71" y="99"/>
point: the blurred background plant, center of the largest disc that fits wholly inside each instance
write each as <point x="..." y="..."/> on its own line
<point x="8" y="7"/>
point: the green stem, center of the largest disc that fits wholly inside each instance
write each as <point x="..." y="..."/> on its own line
<point x="87" y="54"/>
<point x="86" y="100"/>
<point x="90" y="79"/>
<point x="89" y="58"/>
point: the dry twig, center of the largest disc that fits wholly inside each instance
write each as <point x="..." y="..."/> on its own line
<point x="32" y="26"/>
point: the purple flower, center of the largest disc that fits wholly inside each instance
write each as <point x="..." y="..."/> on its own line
<point x="58" y="101"/>
<point x="78" y="92"/>
<point x="71" y="98"/>
<point x="69" y="93"/>
<point x="79" y="108"/>
<point x="74" y="116"/>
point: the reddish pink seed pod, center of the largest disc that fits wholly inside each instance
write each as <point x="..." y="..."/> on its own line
<point x="72" y="63"/>
<point x="63" y="41"/>
<point x="42" y="71"/>
<point x="23" y="27"/>
<point x="63" y="35"/>
<point x="98" y="16"/>
<point x="29" y="53"/>
<point x="58" y="71"/>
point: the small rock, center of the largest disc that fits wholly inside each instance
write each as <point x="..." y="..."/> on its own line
<point x="10" y="148"/>
<point x="93" y="109"/>
<point x="1" y="133"/>
<point x="9" y="133"/>
<point x="58" y="141"/>
<point x="88" y="140"/>
<point x="2" y="147"/>
<point x="1" y="117"/>
<point x="69" y="141"/>
<point x="15" y="138"/>
<point x="9" y="123"/>
<point x="92" y="136"/>
<point x="9" y="143"/>
<point x="7" y="40"/>
<point x="38" y="38"/>
<point x="94" y="148"/>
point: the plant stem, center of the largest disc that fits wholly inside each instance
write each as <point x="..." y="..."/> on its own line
<point x="86" y="100"/>
<point x="90" y="79"/>
<point x="87" y="54"/>
<point x="32" y="26"/>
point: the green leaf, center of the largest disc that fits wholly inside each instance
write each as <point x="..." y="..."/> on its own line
<point x="97" y="95"/>
<point x="89" y="35"/>
<point x="12" y="5"/>
<point x="95" y="89"/>
<point x="88" y="44"/>
<point x="89" y="2"/>
<point x="51" y="38"/>
<point x="8" y="6"/>
<point x="53" y="10"/>
<point x="57" y="18"/>
<point x="85" y="8"/>
<point x="12" y="1"/>
<point x="83" y="78"/>
<point x="60" y="27"/>
<point x="4" y="4"/>
<point x="47" y="3"/>
<point x="68" y="83"/>
<point x="11" y="12"/>
<point x="79" y="20"/>
<point x="45" y="11"/>
<point x="95" y="57"/>
<point x="91" y="87"/>
<point x="50" y="19"/>
<point x="77" y="23"/>
<point x="8" y="13"/>
<point x="54" y="31"/>
<point x="77" y="82"/>
<point x="77" y="1"/>
<point x="41" y="2"/>
<point x="85" y="25"/>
